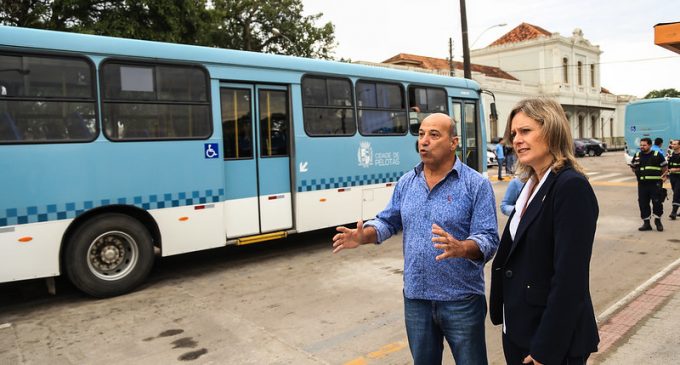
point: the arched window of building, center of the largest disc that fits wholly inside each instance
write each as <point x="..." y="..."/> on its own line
<point x="593" y="126"/>
<point x="579" y="68"/>
<point x="592" y="75"/>
<point x="565" y="70"/>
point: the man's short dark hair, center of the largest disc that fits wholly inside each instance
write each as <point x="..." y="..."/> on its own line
<point x="658" y="141"/>
<point x="646" y="139"/>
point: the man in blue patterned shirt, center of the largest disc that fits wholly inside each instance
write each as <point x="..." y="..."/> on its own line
<point x="448" y="214"/>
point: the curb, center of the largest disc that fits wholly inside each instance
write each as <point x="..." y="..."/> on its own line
<point x="622" y="317"/>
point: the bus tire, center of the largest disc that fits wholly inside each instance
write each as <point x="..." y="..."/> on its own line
<point x="109" y="255"/>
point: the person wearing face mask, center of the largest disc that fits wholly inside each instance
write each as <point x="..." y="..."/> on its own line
<point x="540" y="275"/>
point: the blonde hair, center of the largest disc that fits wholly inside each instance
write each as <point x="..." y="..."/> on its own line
<point x="555" y="131"/>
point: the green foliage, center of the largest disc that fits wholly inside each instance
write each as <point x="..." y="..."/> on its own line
<point x="250" y="24"/>
<point x="671" y="93"/>
<point x="236" y="24"/>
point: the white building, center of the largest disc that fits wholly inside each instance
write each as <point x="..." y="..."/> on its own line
<point x="531" y="61"/>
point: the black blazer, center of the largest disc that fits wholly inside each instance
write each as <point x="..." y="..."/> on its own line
<point x="542" y="276"/>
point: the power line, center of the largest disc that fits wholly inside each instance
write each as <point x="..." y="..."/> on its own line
<point x="596" y="63"/>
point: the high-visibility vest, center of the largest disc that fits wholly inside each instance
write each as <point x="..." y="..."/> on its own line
<point x="650" y="168"/>
<point x="674" y="163"/>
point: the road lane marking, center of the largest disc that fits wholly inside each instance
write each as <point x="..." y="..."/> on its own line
<point x="379" y="354"/>
<point x="605" y="176"/>
<point x="622" y="179"/>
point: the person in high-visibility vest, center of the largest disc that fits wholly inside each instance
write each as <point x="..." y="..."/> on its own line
<point x="650" y="168"/>
<point x="674" y="173"/>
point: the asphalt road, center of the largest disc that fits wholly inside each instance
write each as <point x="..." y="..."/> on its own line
<point x="292" y="301"/>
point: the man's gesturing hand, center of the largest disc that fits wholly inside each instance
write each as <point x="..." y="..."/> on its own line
<point x="349" y="238"/>
<point x="451" y="246"/>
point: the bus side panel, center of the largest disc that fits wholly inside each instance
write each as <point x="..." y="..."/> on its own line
<point x="374" y="199"/>
<point x="328" y="207"/>
<point x="58" y="182"/>
<point x="241" y="217"/>
<point x="336" y="176"/>
<point x="190" y="228"/>
<point x="34" y="258"/>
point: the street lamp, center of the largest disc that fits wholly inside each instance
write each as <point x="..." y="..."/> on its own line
<point x="277" y="33"/>
<point x="485" y="30"/>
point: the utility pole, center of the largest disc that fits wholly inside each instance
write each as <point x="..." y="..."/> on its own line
<point x="452" y="70"/>
<point x="466" y="49"/>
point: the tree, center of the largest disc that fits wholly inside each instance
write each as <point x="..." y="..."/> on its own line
<point x="672" y="93"/>
<point x="236" y="24"/>
<point x="249" y="25"/>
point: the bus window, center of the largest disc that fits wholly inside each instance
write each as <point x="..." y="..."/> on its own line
<point x="46" y="99"/>
<point x="328" y="106"/>
<point x="424" y="101"/>
<point x="274" y="121"/>
<point x="147" y="102"/>
<point x="381" y="108"/>
<point x="236" y="123"/>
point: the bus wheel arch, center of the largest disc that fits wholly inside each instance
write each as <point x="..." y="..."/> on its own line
<point x="109" y="252"/>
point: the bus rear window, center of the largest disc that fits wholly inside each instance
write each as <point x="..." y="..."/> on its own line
<point x="154" y="102"/>
<point x="46" y="99"/>
<point x="328" y="106"/>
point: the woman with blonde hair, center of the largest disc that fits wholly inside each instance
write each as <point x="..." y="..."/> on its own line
<point x="540" y="276"/>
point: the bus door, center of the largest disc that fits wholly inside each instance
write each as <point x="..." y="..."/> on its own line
<point x="273" y="158"/>
<point x="255" y="125"/>
<point x="464" y="112"/>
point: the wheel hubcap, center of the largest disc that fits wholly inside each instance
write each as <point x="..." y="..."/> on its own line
<point x="112" y="255"/>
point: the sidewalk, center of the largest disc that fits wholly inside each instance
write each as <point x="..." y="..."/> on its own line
<point x="644" y="328"/>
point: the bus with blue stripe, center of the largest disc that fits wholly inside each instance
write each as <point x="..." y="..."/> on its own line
<point x="114" y="151"/>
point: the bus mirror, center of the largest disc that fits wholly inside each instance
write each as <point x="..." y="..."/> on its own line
<point x="494" y="113"/>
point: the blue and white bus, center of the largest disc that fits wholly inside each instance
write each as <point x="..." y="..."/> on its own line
<point x="651" y="118"/>
<point x="113" y="150"/>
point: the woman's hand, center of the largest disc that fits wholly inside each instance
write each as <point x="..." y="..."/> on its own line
<point x="530" y="360"/>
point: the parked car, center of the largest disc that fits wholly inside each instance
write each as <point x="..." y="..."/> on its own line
<point x="491" y="159"/>
<point x="579" y="148"/>
<point x="593" y="146"/>
<point x="604" y="145"/>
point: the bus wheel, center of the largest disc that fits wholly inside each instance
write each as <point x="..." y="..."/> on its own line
<point x="109" y="255"/>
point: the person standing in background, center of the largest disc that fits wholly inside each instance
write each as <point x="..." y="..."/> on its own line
<point x="511" y="195"/>
<point x="650" y="169"/>
<point x="658" y="142"/>
<point x="674" y="173"/>
<point x="500" y="156"/>
<point x="509" y="160"/>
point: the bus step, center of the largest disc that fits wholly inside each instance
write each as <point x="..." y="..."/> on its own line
<point x="261" y="237"/>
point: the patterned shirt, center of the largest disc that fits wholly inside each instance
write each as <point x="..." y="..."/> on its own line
<point x="463" y="204"/>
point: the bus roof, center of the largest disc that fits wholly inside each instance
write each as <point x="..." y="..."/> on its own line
<point x="111" y="46"/>
<point x="656" y="100"/>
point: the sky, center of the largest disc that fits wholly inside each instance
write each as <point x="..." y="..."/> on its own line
<point x="631" y="64"/>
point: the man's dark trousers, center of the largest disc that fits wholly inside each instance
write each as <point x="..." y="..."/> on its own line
<point x="649" y="191"/>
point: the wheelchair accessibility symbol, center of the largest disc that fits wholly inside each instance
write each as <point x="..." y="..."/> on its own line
<point x="211" y="150"/>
